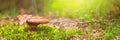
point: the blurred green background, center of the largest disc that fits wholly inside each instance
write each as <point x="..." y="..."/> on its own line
<point x="83" y="9"/>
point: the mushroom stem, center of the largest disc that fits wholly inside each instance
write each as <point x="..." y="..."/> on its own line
<point x="32" y="27"/>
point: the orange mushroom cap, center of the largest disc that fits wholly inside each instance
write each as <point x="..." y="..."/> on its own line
<point x="38" y="20"/>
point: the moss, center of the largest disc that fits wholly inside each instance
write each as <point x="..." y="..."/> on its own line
<point x="44" y="32"/>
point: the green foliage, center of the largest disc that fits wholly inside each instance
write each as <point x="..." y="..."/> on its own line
<point x="44" y="32"/>
<point x="112" y="30"/>
<point x="12" y="13"/>
<point x="84" y="9"/>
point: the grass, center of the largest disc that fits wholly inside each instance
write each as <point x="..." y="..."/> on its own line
<point x="9" y="13"/>
<point x="44" y="32"/>
<point x="112" y="31"/>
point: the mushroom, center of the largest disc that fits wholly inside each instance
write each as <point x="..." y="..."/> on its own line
<point x="36" y="20"/>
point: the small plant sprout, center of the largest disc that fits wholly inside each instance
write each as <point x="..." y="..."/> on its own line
<point x="23" y="18"/>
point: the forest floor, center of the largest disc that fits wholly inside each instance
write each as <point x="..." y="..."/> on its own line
<point x="91" y="30"/>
